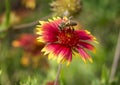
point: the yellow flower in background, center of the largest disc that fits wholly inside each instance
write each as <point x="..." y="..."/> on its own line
<point x="14" y="18"/>
<point x="66" y="7"/>
<point x="31" y="4"/>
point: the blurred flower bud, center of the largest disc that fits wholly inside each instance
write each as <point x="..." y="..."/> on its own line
<point x="66" y="7"/>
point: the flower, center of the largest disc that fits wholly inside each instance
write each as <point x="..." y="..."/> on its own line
<point x="64" y="42"/>
<point x="66" y="7"/>
<point x="29" y="43"/>
<point x="31" y="4"/>
<point x="51" y="83"/>
<point x="32" y="51"/>
<point x="14" y="18"/>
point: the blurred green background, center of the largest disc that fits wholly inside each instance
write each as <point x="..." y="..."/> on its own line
<point x="100" y="17"/>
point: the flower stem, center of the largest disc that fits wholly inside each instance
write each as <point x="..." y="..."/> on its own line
<point x="58" y="73"/>
<point x="29" y="25"/>
<point x="116" y="60"/>
<point x="7" y="6"/>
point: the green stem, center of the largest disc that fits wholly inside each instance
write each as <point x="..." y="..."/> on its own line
<point x="7" y="6"/>
<point x="58" y="74"/>
<point x="116" y="60"/>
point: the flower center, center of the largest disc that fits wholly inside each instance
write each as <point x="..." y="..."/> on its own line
<point x="68" y="37"/>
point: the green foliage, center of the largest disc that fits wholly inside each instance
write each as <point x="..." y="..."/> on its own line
<point x="104" y="76"/>
<point x="29" y="81"/>
<point x="5" y="25"/>
<point x="7" y="5"/>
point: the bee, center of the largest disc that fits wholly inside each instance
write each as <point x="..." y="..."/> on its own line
<point x="69" y="23"/>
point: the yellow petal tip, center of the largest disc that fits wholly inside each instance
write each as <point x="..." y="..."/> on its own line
<point x="90" y="59"/>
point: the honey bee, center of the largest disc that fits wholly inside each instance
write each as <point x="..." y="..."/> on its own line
<point x="69" y="23"/>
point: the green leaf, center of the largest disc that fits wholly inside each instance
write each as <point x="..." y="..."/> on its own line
<point x="104" y="75"/>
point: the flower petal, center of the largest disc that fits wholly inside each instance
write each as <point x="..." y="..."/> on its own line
<point x="85" y="35"/>
<point x="84" y="55"/>
<point x="58" y="51"/>
<point x="87" y="46"/>
<point x="66" y="54"/>
<point x="52" y="48"/>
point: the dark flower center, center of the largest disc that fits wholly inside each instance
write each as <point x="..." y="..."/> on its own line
<point x="68" y="37"/>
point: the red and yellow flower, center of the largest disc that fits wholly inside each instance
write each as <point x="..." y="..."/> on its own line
<point x="29" y="43"/>
<point x="32" y="51"/>
<point x="66" y="42"/>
